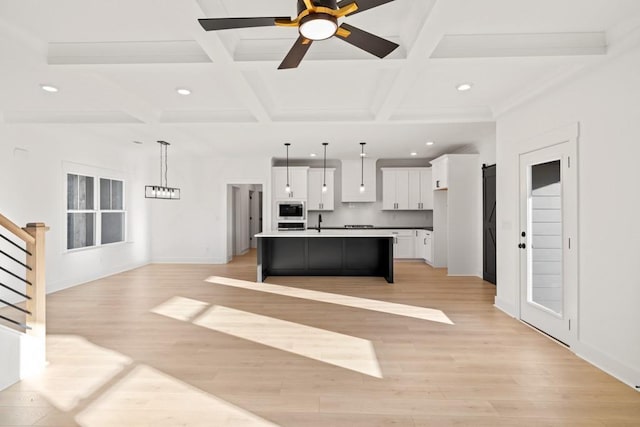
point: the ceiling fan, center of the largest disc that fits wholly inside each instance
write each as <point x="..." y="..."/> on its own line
<point x="317" y="20"/>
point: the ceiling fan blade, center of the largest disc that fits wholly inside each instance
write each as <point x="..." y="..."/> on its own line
<point x="295" y="55"/>
<point x="366" y="41"/>
<point x="214" y="24"/>
<point x="363" y="4"/>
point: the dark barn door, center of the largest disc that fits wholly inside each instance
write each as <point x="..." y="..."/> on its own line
<point x="489" y="223"/>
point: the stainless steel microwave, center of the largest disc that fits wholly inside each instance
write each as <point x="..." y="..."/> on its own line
<point x="291" y="211"/>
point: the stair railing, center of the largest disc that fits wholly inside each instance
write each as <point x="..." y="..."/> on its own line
<point x="32" y="245"/>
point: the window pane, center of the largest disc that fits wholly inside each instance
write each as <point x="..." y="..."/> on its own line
<point x="112" y="227"/>
<point x="72" y="191"/>
<point x="86" y="193"/>
<point x="80" y="230"/>
<point x="105" y="194"/>
<point x="117" y="196"/>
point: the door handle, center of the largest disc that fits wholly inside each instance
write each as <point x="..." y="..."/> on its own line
<point x="425" y="241"/>
<point x="438" y="184"/>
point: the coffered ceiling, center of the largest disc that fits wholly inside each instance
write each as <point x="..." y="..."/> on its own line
<point x="118" y="63"/>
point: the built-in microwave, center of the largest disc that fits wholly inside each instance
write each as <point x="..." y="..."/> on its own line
<point x="290" y="211"/>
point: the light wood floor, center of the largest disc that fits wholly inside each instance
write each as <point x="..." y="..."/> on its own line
<point x="160" y="346"/>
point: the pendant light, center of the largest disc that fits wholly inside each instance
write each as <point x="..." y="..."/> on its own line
<point x="162" y="191"/>
<point x="362" y="155"/>
<point x="324" y="169"/>
<point x="288" y="187"/>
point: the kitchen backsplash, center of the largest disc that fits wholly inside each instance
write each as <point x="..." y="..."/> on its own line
<point x="370" y="213"/>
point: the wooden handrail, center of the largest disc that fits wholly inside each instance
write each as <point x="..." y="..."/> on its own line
<point x="17" y="231"/>
<point x="37" y="292"/>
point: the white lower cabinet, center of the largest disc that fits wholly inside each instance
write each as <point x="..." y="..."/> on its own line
<point x="424" y="245"/>
<point x="404" y="244"/>
<point x="428" y="247"/>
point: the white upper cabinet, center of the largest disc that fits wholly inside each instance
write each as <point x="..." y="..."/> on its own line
<point x="420" y="191"/>
<point x="317" y="200"/>
<point x="351" y="180"/>
<point x="440" y="173"/>
<point x="406" y="189"/>
<point x="297" y="183"/>
<point x="395" y="189"/>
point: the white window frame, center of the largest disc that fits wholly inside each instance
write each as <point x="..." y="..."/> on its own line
<point x="100" y="211"/>
<point x="74" y="211"/>
<point x="94" y="172"/>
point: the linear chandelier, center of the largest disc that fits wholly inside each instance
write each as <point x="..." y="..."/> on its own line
<point x="162" y="191"/>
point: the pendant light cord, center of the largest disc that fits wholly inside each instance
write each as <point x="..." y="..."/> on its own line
<point x="362" y="165"/>
<point x="324" y="167"/>
<point x="287" y="145"/>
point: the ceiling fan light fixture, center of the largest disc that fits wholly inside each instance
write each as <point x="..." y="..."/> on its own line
<point x="318" y="26"/>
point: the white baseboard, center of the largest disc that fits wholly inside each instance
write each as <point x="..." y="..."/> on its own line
<point x="505" y="307"/>
<point x="66" y="284"/>
<point x="625" y="373"/>
<point x="188" y="261"/>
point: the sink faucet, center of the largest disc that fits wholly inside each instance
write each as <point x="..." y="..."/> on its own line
<point x="319" y="222"/>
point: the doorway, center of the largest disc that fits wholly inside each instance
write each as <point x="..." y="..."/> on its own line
<point x="244" y="218"/>
<point x="489" y="231"/>
<point x="548" y="240"/>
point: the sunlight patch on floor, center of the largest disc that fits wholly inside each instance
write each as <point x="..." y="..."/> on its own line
<point x="76" y="370"/>
<point x="423" y="313"/>
<point x="147" y="397"/>
<point x="341" y="350"/>
<point x="180" y="308"/>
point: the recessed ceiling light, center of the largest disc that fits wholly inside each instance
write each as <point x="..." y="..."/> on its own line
<point x="413" y="153"/>
<point x="464" y="87"/>
<point x="48" y="88"/>
<point x="312" y="154"/>
<point x="183" y="91"/>
<point x="430" y="143"/>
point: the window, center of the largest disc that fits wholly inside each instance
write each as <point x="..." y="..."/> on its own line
<point x="88" y="225"/>
<point x="81" y="215"/>
<point x="112" y="210"/>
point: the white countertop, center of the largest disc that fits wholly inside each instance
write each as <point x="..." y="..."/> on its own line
<point x="327" y="233"/>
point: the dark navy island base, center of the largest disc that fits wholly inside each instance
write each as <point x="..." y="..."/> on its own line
<point x="325" y="255"/>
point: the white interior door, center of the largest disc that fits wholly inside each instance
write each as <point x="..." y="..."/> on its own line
<point x="548" y="240"/>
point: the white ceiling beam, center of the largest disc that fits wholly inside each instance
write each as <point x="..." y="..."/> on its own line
<point x="130" y="52"/>
<point x="520" y="45"/>
<point x="212" y="45"/>
<point x="426" y="42"/>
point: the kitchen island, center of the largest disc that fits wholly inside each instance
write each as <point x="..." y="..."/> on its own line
<point x="325" y="253"/>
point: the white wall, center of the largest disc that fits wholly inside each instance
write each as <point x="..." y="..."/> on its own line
<point x="606" y="103"/>
<point x="485" y="148"/>
<point x="34" y="190"/>
<point x="194" y="229"/>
